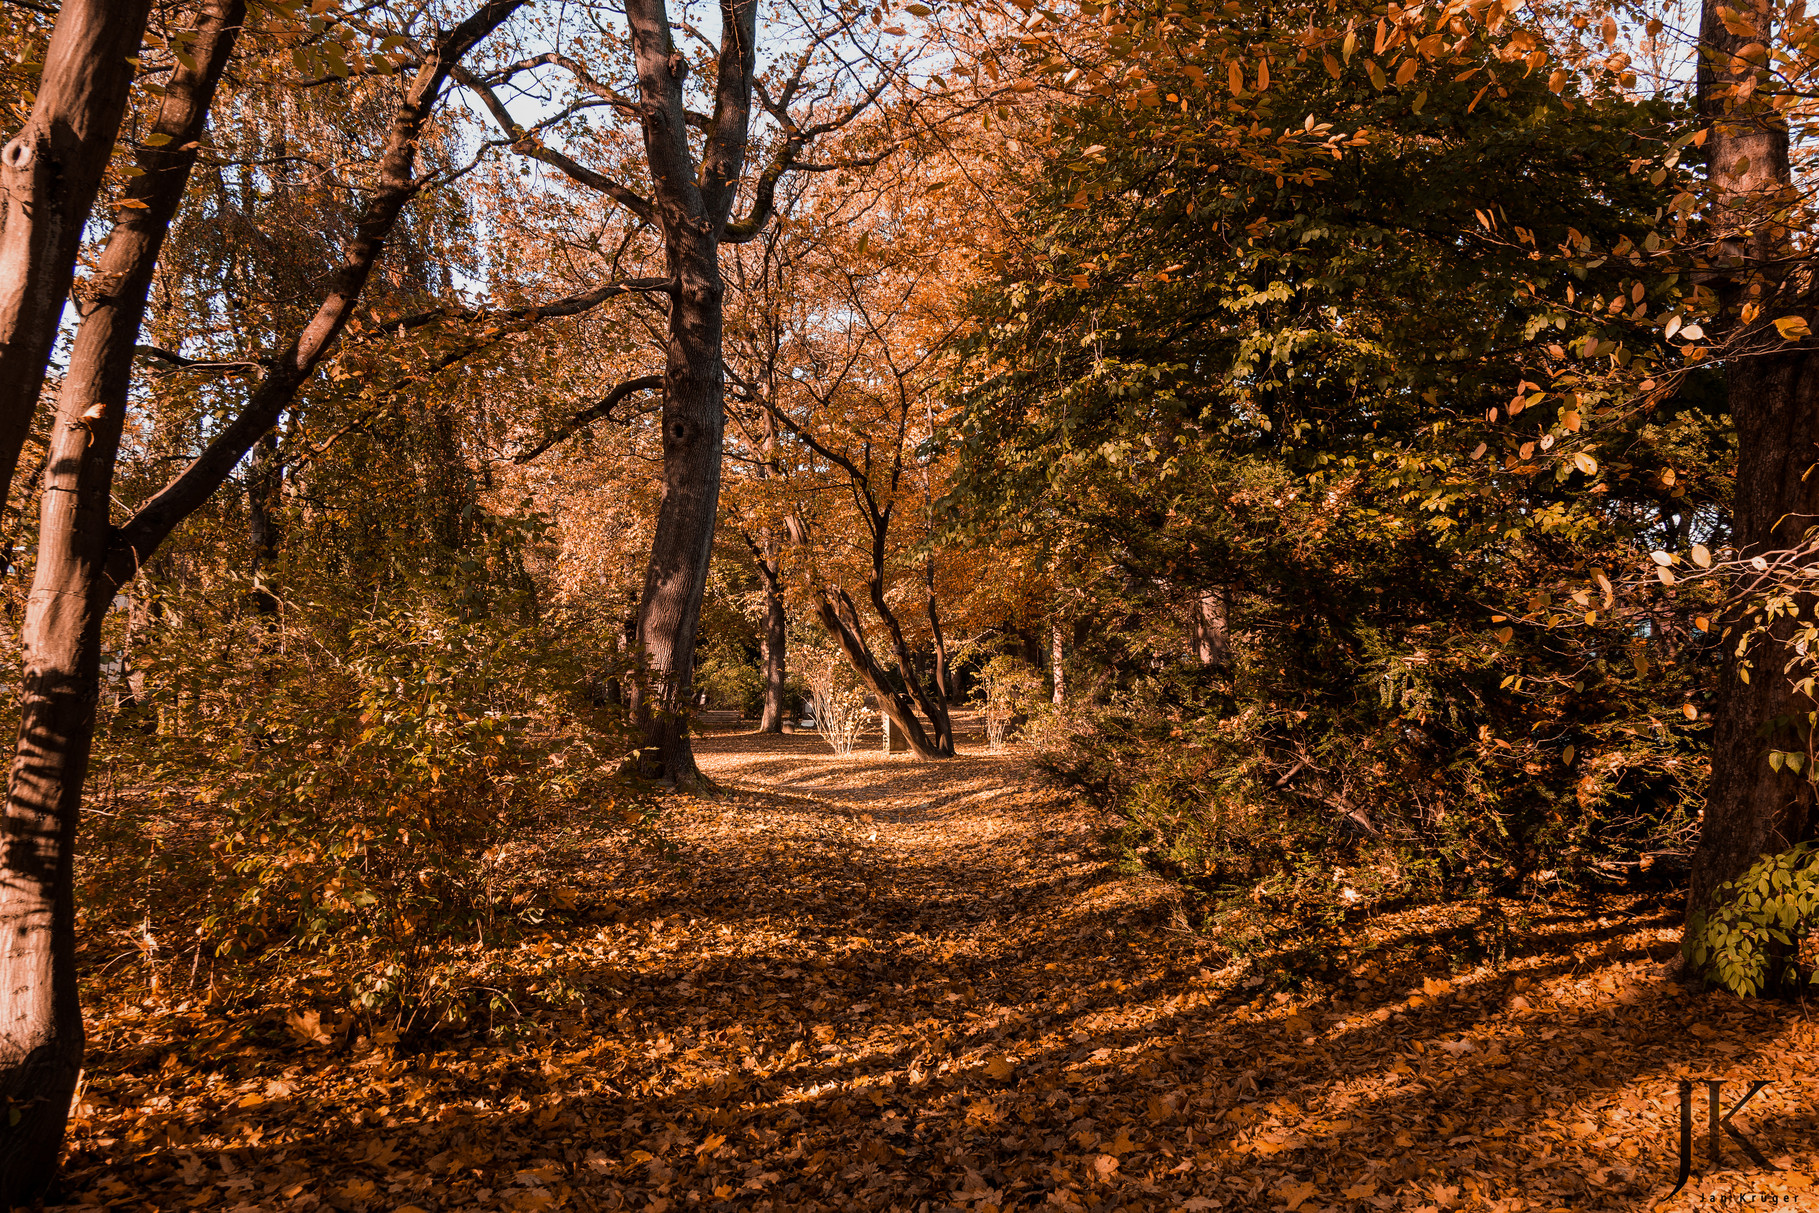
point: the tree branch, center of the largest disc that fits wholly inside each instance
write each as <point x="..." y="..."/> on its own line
<point x="140" y="535"/>
<point x="592" y="413"/>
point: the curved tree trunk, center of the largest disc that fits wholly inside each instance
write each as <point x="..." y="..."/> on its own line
<point x="49" y="174"/>
<point x="891" y="702"/>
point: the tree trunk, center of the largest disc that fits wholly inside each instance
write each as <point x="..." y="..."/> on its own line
<point x="1057" y="669"/>
<point x="49" y="174"/>
<point x="1211" y="613"/>
<point x="776" y="638"/>
<point x="41" y="1040"/>
<point x="940" y="675"/>
<point x="264" y="489"/>
<point x="1752" y="810"/>
<point x="693" y="420"/>
<point x="891" y="702"/>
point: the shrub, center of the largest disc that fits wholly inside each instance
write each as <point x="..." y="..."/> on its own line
<point x="1759" y="937"/>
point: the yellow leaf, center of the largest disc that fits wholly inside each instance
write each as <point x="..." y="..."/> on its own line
<point x="1434" y="987"/>
<point x="1585" y="463"/>
<point x="1406" y="72"/>
<point x="1234" y="77"/>
<point x="1332" y="66"/>
<point x="1792" y="328"/>
<point x="1689" y="711"/>
<point x="1557" y="81"/>
<point x="1570" y="420"/>
<point x="1702" y="556"/>
<point x="1504" y="635"/>
<point x="1378" y="81"/>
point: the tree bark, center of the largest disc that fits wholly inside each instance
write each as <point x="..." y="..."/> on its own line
<point x="692" y="205"/>
<point x="1057" y="669"/>
<point x="49" y="175"/>
<point x="773" y="646"/>
<point x="41" y="1039"/>
<point x="1212" y="611"/>
<point x="1752" y="810"/>
<point x="674" y="582"/>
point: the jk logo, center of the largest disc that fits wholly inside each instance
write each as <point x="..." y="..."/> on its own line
<point x="1716" y="1120"/>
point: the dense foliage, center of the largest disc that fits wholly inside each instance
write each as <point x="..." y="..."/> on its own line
<point x="1269" y="366"/>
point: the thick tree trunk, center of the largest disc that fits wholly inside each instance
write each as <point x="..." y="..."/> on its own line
<point x="693" y="421"/>
<point x="41" y="1039"/>
<point x="1752" y="810"/>
<point x="692" y="204"/>
<point x="774" y="645"/>
<point x="49" y="174"/>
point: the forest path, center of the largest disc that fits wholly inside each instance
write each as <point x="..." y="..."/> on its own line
<point x="874" y="983"/>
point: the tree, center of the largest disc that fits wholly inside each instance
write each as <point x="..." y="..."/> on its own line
<point x="696" y="166"/>
<point x="1756" y="267"/>
<point x="84" y="558"/>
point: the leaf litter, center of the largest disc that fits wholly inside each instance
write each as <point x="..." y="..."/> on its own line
<point x="878" y="984"/>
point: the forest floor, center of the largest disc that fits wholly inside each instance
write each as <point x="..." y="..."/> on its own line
<point x="873" y="983"/>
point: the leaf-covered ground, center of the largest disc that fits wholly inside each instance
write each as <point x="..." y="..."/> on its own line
<point x="880" y="984"/>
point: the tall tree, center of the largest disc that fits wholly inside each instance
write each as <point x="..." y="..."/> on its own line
<point x="83" y="560"/>
<point x="1755" y="267"/>
<point x="696" y="166"/>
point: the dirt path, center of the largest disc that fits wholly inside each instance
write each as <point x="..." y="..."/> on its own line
<point x="873" y="983"/>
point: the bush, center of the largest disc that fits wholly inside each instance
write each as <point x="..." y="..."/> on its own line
<point x="1009" y="689"/>
<point x="369" y="772"/>
<point x="1759" y="938"/>
<point x="731" y="685"/>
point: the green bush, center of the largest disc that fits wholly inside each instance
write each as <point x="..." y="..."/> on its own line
<point x="1758" y="938"/>
<point x="731" y="685"/>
